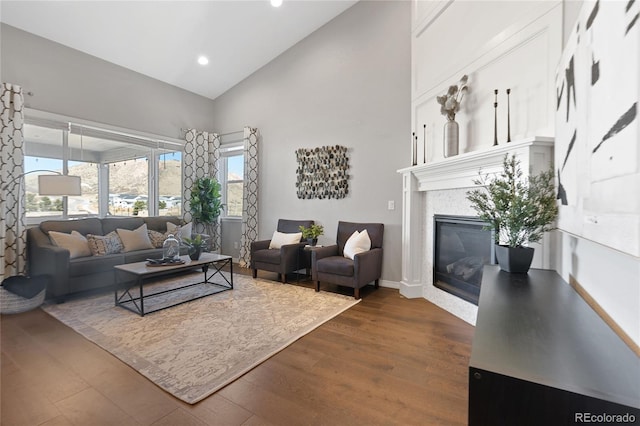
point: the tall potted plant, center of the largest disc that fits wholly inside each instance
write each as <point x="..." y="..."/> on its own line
<point x="520" y="210"/>
<point x="206" y="203"/>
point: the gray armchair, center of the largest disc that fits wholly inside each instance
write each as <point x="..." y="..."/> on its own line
<point x="284" y="260"/>
<point x="328" y="264"/>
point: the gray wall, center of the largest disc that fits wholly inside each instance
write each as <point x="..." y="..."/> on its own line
<point x="69" y="82"/>
<point x="346" y="84"/>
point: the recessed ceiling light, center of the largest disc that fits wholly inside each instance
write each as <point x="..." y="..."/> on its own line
<point x="203" y="60"/>
<point x="276" y="3"/>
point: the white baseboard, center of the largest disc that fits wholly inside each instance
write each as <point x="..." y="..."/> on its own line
<point x="389" y="284"/>
<point x="411" y="291"/>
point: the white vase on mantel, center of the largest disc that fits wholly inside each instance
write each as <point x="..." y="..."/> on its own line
<point x="451" y="137"/>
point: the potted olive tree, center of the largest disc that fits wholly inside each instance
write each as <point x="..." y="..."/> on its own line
<point x="205" y="203"/>
<point x="520" y="211"/>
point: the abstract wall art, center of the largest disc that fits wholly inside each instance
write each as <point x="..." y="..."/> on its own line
<point x="597" y="126"/>
<point x="322" y="172"/>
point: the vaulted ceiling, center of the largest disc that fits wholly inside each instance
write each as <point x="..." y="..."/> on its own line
<point x="163" y="39"/>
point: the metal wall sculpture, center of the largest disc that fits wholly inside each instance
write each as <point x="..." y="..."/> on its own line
<point x="322" y="172"/>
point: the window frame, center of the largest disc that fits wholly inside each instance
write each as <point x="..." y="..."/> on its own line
<point x="227" y="151"/>
<point x="156" y="145"/>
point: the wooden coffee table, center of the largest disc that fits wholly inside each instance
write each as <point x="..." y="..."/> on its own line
<point x="138" y="273"/>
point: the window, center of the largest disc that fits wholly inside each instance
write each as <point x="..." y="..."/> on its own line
<point x="37" y="205"/>
<point x="170" y="183"/>
<point x="118" y="170"/>
<point x="233" y="180"/>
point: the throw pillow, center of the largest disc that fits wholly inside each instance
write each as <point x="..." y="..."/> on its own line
<point x="101" y="245"/>
<point x="75" y="242"/>
<point x="280" y="239"/>
<point x="138" y="239"/>
<point x="157" y="238"/>
<point x="358" y="242"/>
<point x="180" y="232"/>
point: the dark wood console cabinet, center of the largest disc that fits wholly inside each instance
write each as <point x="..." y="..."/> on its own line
<point x="542" y="356"/>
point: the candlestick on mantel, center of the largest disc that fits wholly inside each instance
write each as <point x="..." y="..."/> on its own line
<point x="495" y="118"/>
<point x="413" y="149"/>
<point x="508" y="116"/>
<point x="424" y="143"/>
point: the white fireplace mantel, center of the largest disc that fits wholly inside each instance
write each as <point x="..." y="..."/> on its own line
<point x="460" y="171"/>
<point x="452" y="174"/>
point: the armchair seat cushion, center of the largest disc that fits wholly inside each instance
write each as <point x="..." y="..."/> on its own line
<point x="336" y="265"/>
<point x="267" y="256"/>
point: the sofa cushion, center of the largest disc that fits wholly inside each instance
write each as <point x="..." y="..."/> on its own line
<point x="90" y="225"/>
<point x="112" y="223"/>
<point x="75" y="242"/>
<point x="337" y="265"/>
<point x="93" y="264"/>
<point x="159" y="223"/>
<point x="156" y="238"/>
<point x="101" y="245"/>
<point x="180" y="232"/>
<point x="267" y="256"/>
<point x="138" y="239"/>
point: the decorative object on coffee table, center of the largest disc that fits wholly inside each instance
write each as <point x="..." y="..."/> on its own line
<point x="312" y="233"/>
<point x="196" y="245"/>
<point x="519" y="209"/>
<point x="449" y="106"/>
<point x="170" y="248"/>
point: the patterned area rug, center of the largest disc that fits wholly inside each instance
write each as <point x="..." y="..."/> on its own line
<point x="194" y="349"/>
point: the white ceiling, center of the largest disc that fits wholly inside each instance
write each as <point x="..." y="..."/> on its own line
<point x="163" y="39"/>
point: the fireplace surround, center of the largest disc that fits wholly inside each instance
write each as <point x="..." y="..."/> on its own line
<point x="440" y="188"/>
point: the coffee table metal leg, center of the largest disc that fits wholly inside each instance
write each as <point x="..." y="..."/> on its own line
<point x="140" y="282"/>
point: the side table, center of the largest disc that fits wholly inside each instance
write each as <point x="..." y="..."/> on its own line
<point x="304" y="259"/>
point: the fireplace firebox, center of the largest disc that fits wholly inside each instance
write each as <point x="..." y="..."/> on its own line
<point x="462" y="246"/>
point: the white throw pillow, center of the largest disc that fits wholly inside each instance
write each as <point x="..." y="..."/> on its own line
<point x="358" y="242"/>
<point x="280" y="239"/>
<point x="75" y="242"/>
<point x="138" y="239"/>
<point x="180" y="232"/>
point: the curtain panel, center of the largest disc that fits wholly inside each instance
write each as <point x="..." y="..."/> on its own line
<point x="201" y="158"/>
<point x="12" y="221"/>
<point x="249" y="195"/>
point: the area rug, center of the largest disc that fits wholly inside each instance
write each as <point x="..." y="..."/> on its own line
<point x="193" y="350"/>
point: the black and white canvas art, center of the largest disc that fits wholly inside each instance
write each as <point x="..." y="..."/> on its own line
<point x="597" y="146"/>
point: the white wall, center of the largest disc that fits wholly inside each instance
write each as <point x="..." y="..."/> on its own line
<point x="71" y="83"/>
<point x="346" y="84"/>
<point x="499" y="45"/>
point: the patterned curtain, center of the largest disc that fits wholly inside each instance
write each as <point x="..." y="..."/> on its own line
<point x="249" y="196"/>
<point x="13" y="236"/>
<point x="201" y="157"/>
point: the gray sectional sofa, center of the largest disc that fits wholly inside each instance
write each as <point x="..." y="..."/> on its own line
<point x="70" y="276"/>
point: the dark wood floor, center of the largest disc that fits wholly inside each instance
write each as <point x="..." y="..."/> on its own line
<point x="386" y="361"/>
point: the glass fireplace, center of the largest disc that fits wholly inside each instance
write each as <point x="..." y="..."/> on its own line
<point x="461" y="249"/>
